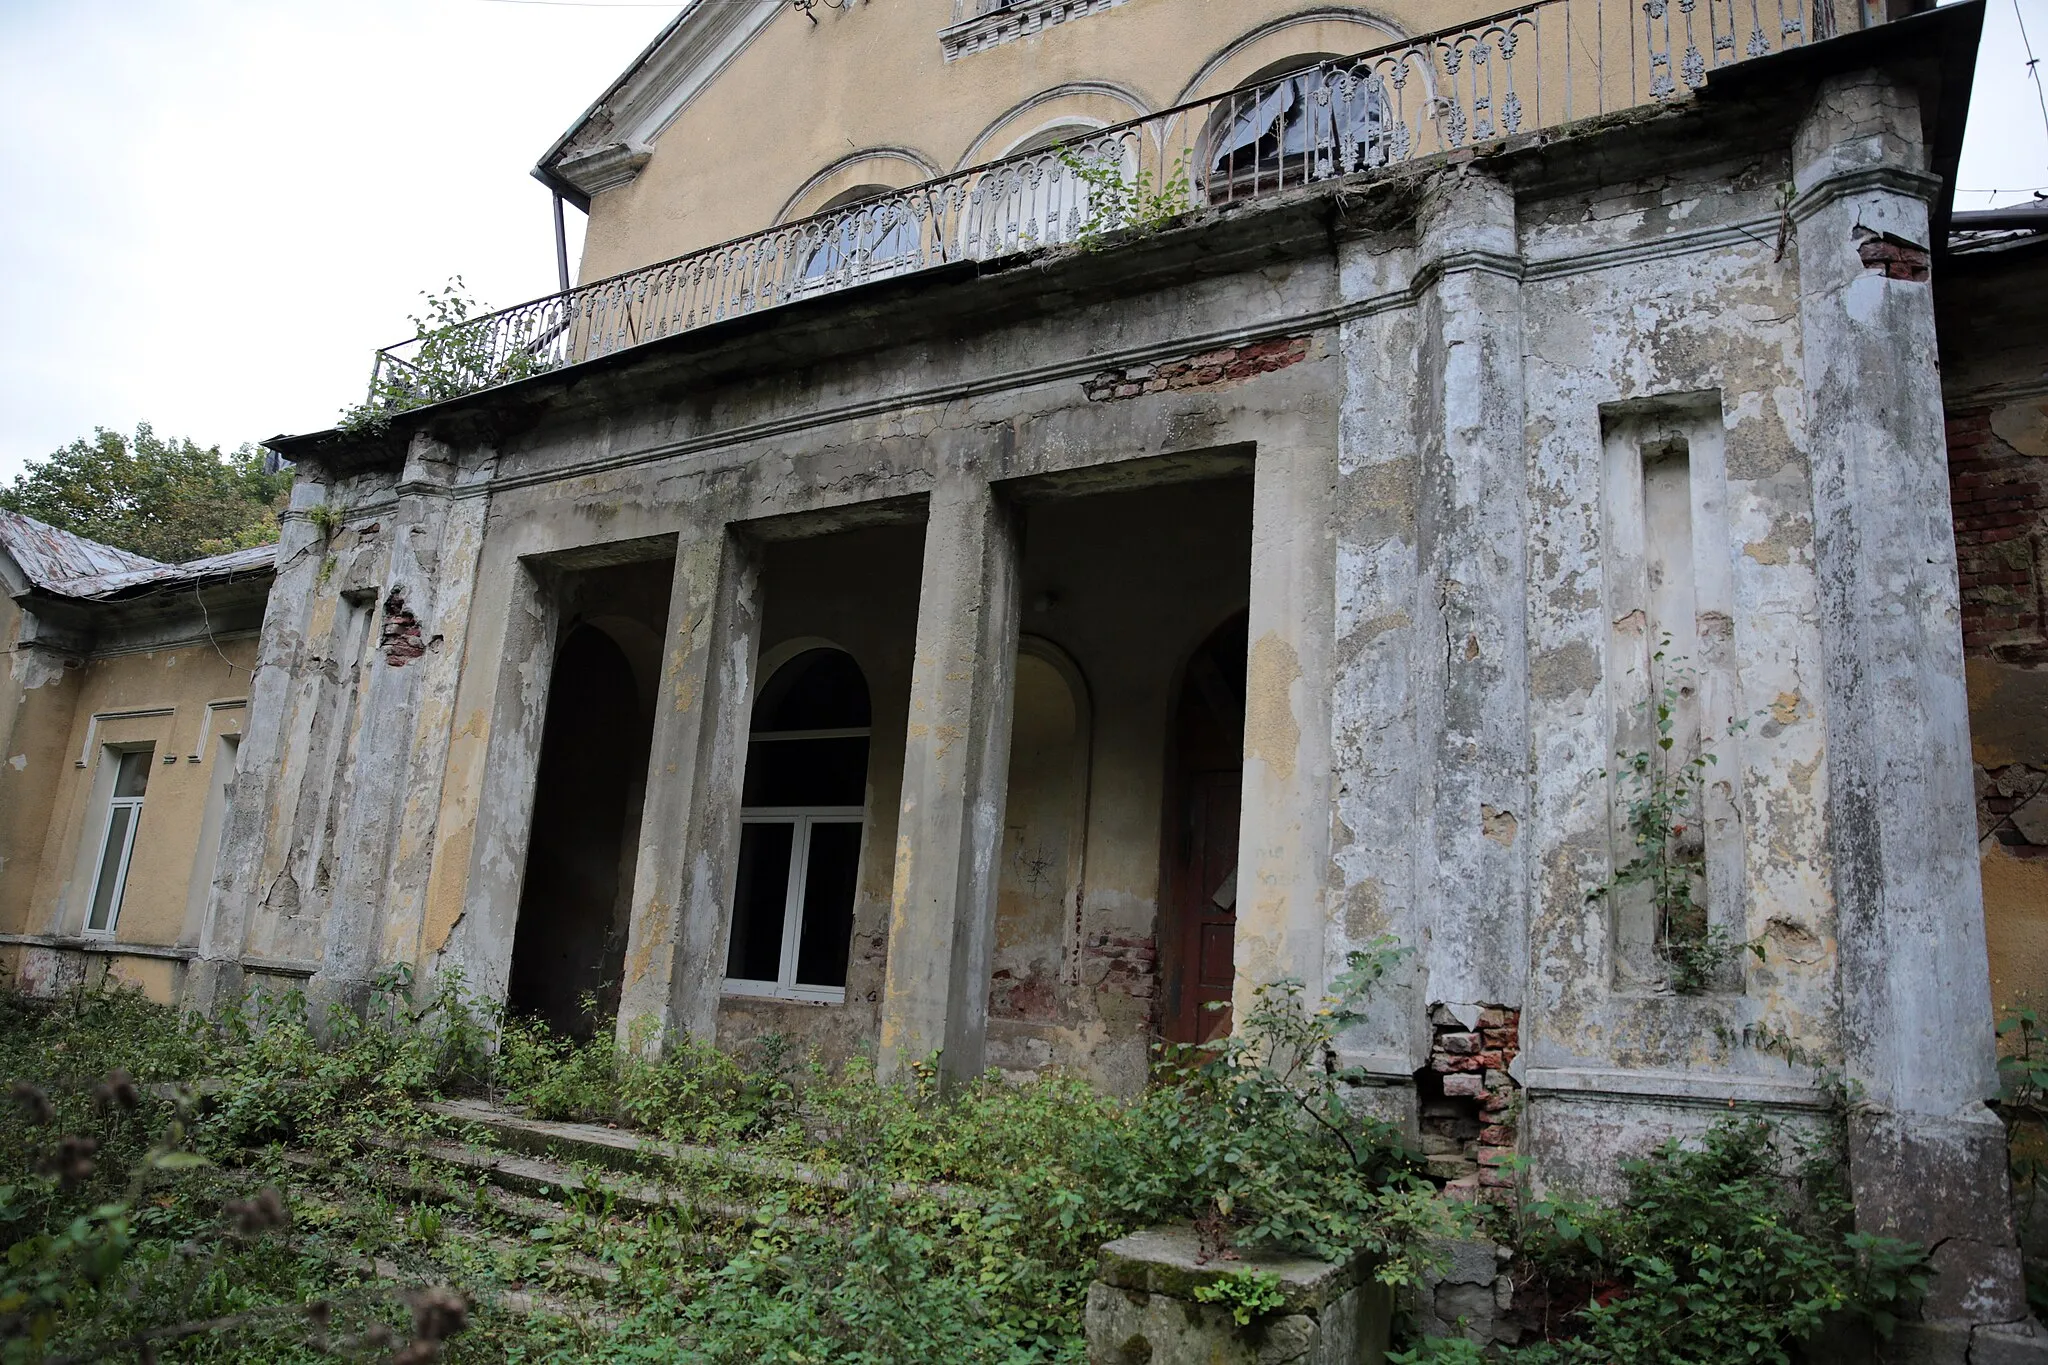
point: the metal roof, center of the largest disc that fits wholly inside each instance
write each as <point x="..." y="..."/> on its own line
<point x="67" y="565"/>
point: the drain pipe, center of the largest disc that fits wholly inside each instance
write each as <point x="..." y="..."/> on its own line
<point x="561" y="245"/>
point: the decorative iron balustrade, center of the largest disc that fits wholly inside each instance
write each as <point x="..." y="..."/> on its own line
<point x="1522" y="70"/>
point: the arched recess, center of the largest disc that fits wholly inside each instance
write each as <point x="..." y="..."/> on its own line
<point x="1341" y="30"/>
<point x="803" y="809"/>
<point x="879" y="169"/>
<point x="1038" y="121"/>
<point x="1045" y="824"/>
<point x="1198" y="880"/>
<point x="1310" y="107"/>
<point x="575" y="900"/>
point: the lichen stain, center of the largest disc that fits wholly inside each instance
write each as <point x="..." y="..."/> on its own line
<point x="1785" y="709"/>
<point x="1565" y="672"/>
<point x="641" y="963"/>
<point x="1271" y="734"/>
<point x="1791" y="941"/>
<point x="444" y="896"/>
<point x="1767" y="552"/>
<point x="1365" y="912"/>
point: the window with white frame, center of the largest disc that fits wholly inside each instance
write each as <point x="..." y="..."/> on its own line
<point x="800" y="831"/>
<point x="117" y="841"/>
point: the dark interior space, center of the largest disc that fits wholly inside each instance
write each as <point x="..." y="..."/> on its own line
<point x="576" y="900"/>
<point x="1205" y="781"/>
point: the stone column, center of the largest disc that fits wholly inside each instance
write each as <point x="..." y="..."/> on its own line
<point x="1927" y="1160"/>
<point x="1471" y="683"/>
<point x="956" y="762"/>
<point x="423" y="604"/>
<point x="683" y="881"/>
<point x="214" y="977"/>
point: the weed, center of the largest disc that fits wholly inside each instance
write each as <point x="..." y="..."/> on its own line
<point x="1248" y="1294"/>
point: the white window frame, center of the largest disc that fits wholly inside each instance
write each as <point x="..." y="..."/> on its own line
<point x="115" y="804"/>
<point x="805" y="819"/>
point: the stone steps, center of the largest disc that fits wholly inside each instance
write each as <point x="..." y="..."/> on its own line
<point x="681" y="1166"/>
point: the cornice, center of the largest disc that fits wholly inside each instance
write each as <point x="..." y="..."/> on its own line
<point x="603" y="168"/>
<point x="660" y="84"/>
<point x="1017" y="19"/>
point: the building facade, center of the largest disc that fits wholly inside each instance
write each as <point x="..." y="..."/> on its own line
<point x="1005" y="573"/>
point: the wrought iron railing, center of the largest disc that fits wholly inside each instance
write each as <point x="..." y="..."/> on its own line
<point x="1525" y="69"/>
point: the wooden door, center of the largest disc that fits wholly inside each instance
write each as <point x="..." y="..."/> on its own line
<point x="1203" y="887"/>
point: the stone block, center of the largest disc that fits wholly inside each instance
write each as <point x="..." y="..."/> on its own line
<point x="1458" y="1044"/>
<point x="1142" y="1308"/>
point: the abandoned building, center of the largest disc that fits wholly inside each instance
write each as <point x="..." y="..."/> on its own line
<point x="1117" y="502"/>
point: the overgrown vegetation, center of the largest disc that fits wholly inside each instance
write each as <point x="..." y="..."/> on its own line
<point x="453" y="356"/>
<point x="1120" y="199"/>
<point x="1715" y="1254"/>
<point x="1665" y="817"/>
<point x="2023" y="1105"/>
<point x="168" y="499"/>
<point x="277" y="1217"/>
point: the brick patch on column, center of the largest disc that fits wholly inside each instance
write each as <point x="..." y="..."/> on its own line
<point x="1226" y="365"/>
<point x="1469" y="1102"/>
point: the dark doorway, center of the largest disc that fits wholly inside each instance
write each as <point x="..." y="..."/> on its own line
<point x="575" y="904"/>
<point x="1205" y="777"/>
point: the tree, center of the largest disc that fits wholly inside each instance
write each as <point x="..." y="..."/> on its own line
<point x="171" y="500"/>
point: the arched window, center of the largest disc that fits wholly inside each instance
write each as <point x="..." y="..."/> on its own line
<point x="863" y="243"/>
<point x="1307" y="118"/>
<point x="800" y="831"/>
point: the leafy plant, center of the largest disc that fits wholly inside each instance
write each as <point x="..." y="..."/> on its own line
<point x="1713" y="1255"/>
<point x="2023" y="1105"/>
<point x="1118" y="200"/>
<point x="1248" y="1294"/>
<point x="1666" y="821"/>
<point x="455" y="354"/>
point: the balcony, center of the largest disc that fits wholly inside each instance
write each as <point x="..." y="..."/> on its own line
<point x="1523" y="70"/>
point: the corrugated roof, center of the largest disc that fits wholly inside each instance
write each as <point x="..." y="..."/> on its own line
<point x="68" y="565"/>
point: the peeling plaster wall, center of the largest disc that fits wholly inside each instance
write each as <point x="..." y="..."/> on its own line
<point x="1441" y="665"/>
<point x="39" y="694"/>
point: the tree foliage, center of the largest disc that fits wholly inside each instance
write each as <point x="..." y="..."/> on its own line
<point x="169" y="499"/>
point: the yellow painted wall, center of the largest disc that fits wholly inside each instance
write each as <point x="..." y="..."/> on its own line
<point x="869" y="86"/>
<point x="37" y="695"/>
<point x="194" y="691"/>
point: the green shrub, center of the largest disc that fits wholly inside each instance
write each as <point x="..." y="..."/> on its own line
<point x="1714" y="1255"/>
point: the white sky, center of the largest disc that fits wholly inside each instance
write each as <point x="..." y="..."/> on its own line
<point x="213" y="211"/>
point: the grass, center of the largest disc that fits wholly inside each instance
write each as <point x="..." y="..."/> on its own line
<point x="276" y="1216"/>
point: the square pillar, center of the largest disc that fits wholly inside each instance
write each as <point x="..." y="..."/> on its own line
<point x="955" y="770"/>
<point x="1927" y="1159"/>
<point x="684" y="879"/>
<point x="1472" y="672"/>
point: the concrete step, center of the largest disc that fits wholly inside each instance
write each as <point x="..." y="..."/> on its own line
<point x="626" y="1150"/>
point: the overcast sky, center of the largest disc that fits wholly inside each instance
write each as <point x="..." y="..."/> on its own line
<point x="213" y="211"/>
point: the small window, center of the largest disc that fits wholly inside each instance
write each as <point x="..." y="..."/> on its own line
<point x="800" y="831"/>
<point x="117" y="844"/>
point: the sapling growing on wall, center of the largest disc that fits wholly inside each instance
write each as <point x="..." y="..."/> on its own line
<point x="1665" y="818"/>
<point x="455" y="356"/>
<point x="1118" y="200"/>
